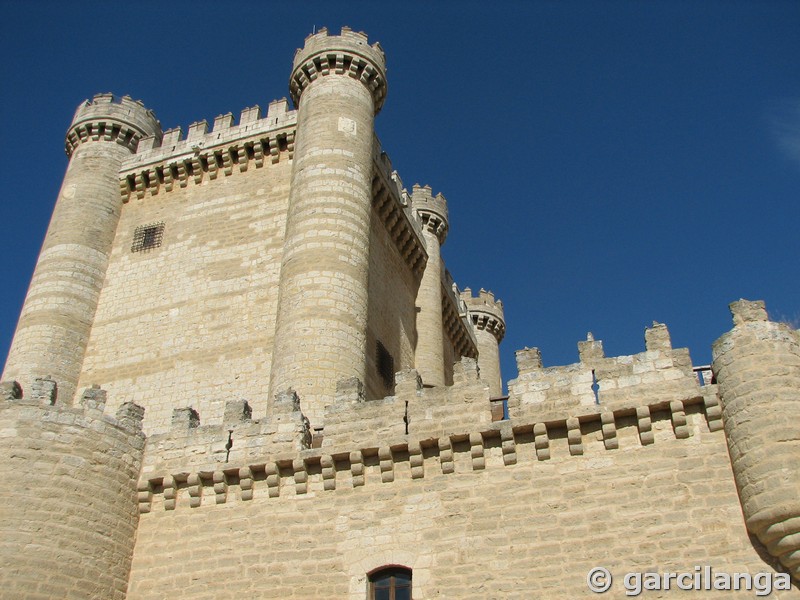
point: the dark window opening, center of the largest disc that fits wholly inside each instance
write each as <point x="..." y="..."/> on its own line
<point x="385" y="364"/>
<point x="147" y="236"/>
<point x="393" y="583"/>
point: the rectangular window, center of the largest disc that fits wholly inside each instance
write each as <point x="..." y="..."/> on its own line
<point x="393" y="583"/>
<point x="147" y="237"/>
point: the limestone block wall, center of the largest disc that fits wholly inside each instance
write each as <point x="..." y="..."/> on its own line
<point x="351" y="421"/>
<point x="659" y="374"/>
<point x="757" y="365"/>
<point x="192" y="320"/>
<point x="391" y="318"/>
<point x="56" y="318"/>
<point x="415" y="411"/>
<point x="339" y="85"/>
<point x="502" y="510"/>
<point x="243" y="438"/>
<point x="68" y="510"/>
<point x="453" y="410"/>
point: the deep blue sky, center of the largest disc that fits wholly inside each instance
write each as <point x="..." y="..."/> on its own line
<point x="606" y="164"/>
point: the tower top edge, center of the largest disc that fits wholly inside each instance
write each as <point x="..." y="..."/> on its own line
<point x="120" y="109"/>
<point x="423" y="200"/>
<point x="356" y="41"/>
<point x="348" y="54"/>
<point x="484" y="302"/>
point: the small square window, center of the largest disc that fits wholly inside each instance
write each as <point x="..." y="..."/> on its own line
<point x="147" y="237"/>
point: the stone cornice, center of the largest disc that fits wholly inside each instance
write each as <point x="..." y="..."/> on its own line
<point x="162" y="161"/>
<point x="434" y="223"/>
<point x="207" y="162"/>
<point x="489" y="322"/>
<point x="456" y="326"/>
<point x="348" y="54"/>
<point x="390" y="203"/>
<point x="111" y="119"/>
<point x="324" y="470"/>
<point x="107" y="131"/>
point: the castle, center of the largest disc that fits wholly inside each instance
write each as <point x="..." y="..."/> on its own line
<point x="243" y="370"/>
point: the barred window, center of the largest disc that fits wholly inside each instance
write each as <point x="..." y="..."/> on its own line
<point x="385" y="365"/>
<point x="147" y="237"/>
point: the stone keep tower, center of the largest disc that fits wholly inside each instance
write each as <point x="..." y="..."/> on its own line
<point x="59" y="308"/>
<point x="411" y="469"/>
<point x="339" y="85"/>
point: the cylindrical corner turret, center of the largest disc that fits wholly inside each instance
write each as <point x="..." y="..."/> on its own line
<point x="59" y="308"/>
<point x="124" y="121"/>
<point x="429" y="355"/>
<point x="431" y="211"/>
<point x="346" y="54"/>
<point x="757" y="366"/>
<point x="69" y="504"/>
<point x="339" y="85"/>
<point x="490" y="328"/>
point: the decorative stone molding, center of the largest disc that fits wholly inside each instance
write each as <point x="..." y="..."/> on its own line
<point x="431" y="211"/>
<point x="347" y="54"/>
<point x="208" y="163"/>
<point x="105" y="118"/>
<point x="318" y="469"/>
<point x="388" y="204"/>
<point x="486" y="312"/>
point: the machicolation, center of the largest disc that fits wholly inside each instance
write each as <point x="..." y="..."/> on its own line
<point x="307" y="404"/>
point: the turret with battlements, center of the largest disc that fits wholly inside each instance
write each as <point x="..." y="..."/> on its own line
<point x="339" y="85"/>
<point x="432" y="214"/>
<point x="490" y="326"/>
<point x="307" y="404"/>
<point x="59" y="308"/>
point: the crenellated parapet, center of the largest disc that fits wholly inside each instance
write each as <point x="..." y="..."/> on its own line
<point x="347" y="54"/>
<point x="390" y="202"/>
<point x="486" y="312"/>
<point x="69" y="476"/>
<point x="431" y="211"/>
<point x="173" y="161"/>
<point x="124" y="120"/>
<point x="757" y="365"/>
<point x="598" y="382"/>
<point x="418" y="434"/>
<point x="192" y="446"/>
<point x="457" y="325"/>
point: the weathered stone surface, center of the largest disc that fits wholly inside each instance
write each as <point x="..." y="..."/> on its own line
<point x="757" y="365"/>
<point x="274" y="276"/>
